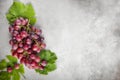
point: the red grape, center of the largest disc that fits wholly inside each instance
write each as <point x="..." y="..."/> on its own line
<point x="28" y="41"/>
<point x="44" y="63"/>
<point x="15" y="46"/>
<point x="16" y="27"/>
<point x="17" y="66"/>
<point x="20" y="50"/>
<point x="35" y="47"/>
<point x="23" y="34"/>
<point x="37" y="59"/>
<point x="9" y="69"/>
<point x="18" y="38"/>
<point x="32" y="56"/>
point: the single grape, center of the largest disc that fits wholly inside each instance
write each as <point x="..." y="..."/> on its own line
<point x="28" y="41"/>
<point x="26" y="47"/>
<point x="33" y="63"/>
<point x="18" y="38"/>
<point x="35" y="47"/>
<point x="9" y="69"/>
<point x="38" y="31"/>
<point x="17" y="66"/>
<point x="23" y="60"/>
<point x="15" y="33"/>
<point x="20" y="44"/>
<point x="16" y="27"/>
<point x="37" y="59"/>
<point x="18" y="22"/>
<point x="43" y="45"/>
<point x="32" y="56"/>
<point x="15" y="54"/>
<point x="20" y="55"/>
<point x="15" y="46"/>
<point x="44" y="63"/>
<point x="20" y="50"/>
<point x="29" y="51"/>
<point x="23" y="34"/>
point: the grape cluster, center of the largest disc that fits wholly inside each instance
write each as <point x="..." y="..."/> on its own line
<point x="26" y="43"/>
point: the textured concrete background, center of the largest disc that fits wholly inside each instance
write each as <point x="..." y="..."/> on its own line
<point x="85" y="34"/>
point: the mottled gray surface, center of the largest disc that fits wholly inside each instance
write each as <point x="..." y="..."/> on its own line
<point x="85" y="34"/>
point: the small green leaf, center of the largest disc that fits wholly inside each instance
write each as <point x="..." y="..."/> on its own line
<point x="12" y="59"/>
<point x="51" y="67"/>
<point x="4" y="75"/>
<point x="3" y="64"/>
<point x="18" y="9"/>
<point x="53" y="58"/>
<point x="44" y="72"/>
<point x="28" y="11"/>
<point x="15" y="75"/>
<point x="48" y="55"/>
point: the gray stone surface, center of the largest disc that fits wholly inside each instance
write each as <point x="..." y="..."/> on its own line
<point x="85" y="34"/>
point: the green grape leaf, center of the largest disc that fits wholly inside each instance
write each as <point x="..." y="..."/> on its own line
<point x="15" y="75"/>
<point x="51" y="66"/>
<point x="48" y="55"/>
<point x="12" y="59"/>
<point x="4" y="75"/>
<point x="18" y="9"/>
<point x="51" y="58"/>
<point x="44" y="72"/>
<point x="45" y="54"/>
<point x="3" y="64"/>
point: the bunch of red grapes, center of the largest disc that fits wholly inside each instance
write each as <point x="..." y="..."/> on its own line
<point x="27" y="42"/>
